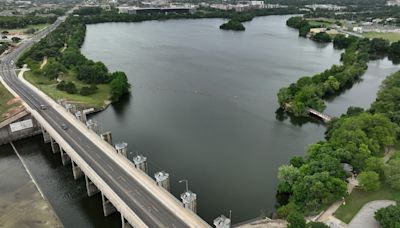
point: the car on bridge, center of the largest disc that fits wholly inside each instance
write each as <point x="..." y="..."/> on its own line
<point x="64" y="126"/>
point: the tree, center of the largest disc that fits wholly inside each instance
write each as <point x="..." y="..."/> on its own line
<point x="369" y="181"/>
<point x="68" y="87"/>
<point x="379" y="45"/>
<point x="119" y="85"/>
<point x="233" y="25"/>
<point x="296" y="220"/>
<point x="312" y="191"/>
<point x="93" y="72"/>
<point x="392" y="173"/>
<point x="287" y="176"/>
<point x="374" y="164"/>
<point x="15" y="39"/>
<point x="389" y="217"/>
<point x="53" y="69"/>
<point x="322" y="37"/>
<point x="72" y="58"/>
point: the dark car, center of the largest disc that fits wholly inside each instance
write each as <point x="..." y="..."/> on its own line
<point x="64" y="126"/>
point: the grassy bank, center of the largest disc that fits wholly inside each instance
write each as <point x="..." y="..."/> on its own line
<point x="358" y="198"/>
<point x="390" y="36"/>
<point x="6" y="102"/>
<point x="96" y="100"/>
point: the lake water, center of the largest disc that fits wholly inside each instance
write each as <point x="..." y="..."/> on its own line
<point x="203" y="103"/>
<point x="203" y="108"/>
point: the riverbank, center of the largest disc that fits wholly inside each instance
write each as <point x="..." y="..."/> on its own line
<point x="21" y="203"/>
<point x="9" y="105"/>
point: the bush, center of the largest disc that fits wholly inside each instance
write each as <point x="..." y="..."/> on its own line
<point x="369" y="181"/>
<point x="392" y="173"/>
<point x="67" y="87"/>
<point x="86" y="91"/>
<point x="389" y="217"/>
<point x="296" y="220"/>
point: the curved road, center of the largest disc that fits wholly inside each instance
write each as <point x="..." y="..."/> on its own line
<point x="146" y="206"/>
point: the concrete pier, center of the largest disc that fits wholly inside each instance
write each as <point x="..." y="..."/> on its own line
<point x="76" y="171"/>
<point x="162" y="179"/>
<point x="122" y="148"/>
<point x="189" y="200"/>
<point x="46" y="136"/>
<point x="124" y="223"/>
<point x="222" y="222"/>
<point x="91" y="187"/>
<point x="65" y="159"/>
<point x="54" y="146"/>
<point x="108" y="207"/>
<point x="106" y="136"/>
<point x="141" y="163"/>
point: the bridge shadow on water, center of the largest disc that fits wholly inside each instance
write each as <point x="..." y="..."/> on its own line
<point x="67" y="196"/>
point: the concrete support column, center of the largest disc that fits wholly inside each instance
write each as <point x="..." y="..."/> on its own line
<point x="108" y="207"/>
<point x="125" y="224"/>
<point x="76" y="170"/>
<point x="91" y="187"/>
<point x="54" y="145"/>
<point x="65" y="159"/>
<point x="46" y="135"/>
<point x="106" y="136"/>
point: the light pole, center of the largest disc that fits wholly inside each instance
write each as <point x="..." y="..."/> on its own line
<point x="187" y="184"/>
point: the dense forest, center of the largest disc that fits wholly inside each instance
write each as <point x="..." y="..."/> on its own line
<point x="22" y="22"/>
<point x="309" y="92"/>
<point x="359" y="138"/>
<point x="97" y="15"/>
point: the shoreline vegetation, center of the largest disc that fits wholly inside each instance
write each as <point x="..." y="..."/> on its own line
<point x="233" y="25"/>
<point x="309" y="92"/>
<point x="358" y="139"/>
<point x="70" y="75"/>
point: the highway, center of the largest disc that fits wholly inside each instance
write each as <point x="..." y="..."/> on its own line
<point x="145" y="204"/>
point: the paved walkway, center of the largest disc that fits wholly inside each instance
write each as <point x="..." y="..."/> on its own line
<point x="365" y="217"/>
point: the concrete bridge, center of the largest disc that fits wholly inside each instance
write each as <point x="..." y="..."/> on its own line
<point x="321" y="115"/>
<point x="124" y="187"/>
<point x="314" y="112"/>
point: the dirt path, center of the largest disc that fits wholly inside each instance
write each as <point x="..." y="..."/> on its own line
<point x="44" y="62"/>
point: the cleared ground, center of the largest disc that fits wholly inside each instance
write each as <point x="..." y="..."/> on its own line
<point x="391" y="36"/>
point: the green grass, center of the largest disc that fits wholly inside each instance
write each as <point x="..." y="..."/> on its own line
<point x="22" y="30"/>
<point x="5" y="96"/>
<point x="96" y="100"/>
<point x="391" y="36"/>
<point x="321" y="22"/>
<point x="358" y="198"/>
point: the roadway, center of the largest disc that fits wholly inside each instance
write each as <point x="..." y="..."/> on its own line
<point x="143" y="203"/>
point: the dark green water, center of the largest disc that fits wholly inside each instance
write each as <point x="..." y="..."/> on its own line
<point x="202" y="108"/>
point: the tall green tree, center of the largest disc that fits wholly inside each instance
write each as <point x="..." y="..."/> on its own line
<point x="119" y="85"/>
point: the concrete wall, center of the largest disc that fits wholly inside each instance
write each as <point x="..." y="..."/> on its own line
<point x="6" y="135"/>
